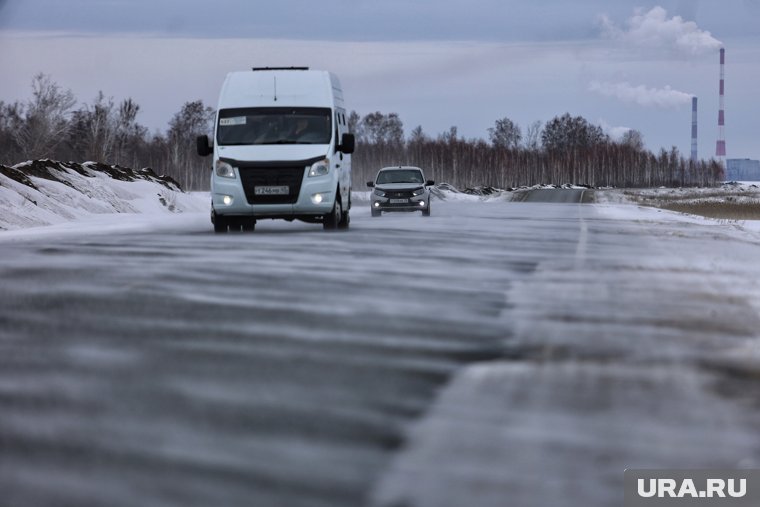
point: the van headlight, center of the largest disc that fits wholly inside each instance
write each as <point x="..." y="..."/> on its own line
<point x="419" y="191"/>
<point x="319" y="168"/>
<point x="224" y="169"/>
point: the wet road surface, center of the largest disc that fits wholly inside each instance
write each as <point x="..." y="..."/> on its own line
<point x="288" y="367"/>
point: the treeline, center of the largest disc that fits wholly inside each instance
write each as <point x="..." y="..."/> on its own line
<point x="50" y="125"/>
<point x="565" y="150"/>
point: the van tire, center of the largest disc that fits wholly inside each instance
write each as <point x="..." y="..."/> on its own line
<point x="331" y="220"/>
<point x="344" y="221"/>
<point x="220" y="224"/>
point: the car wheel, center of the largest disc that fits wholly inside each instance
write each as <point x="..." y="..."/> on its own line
<point x="249" y="225"/>
<point x="426" y="211"/>
<point x="375" y="213"/>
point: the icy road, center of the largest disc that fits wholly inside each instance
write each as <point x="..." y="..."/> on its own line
<point x="497" y="353"/>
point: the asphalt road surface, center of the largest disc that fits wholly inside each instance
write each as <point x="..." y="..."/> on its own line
<point x="409" y="361"/>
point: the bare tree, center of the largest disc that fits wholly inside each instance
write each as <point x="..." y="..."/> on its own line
<point x="99" y="129"/>
<point x="11" y="118"/>
<point x="380" y="128"/>
<point x="192" y="120"/>
<point x="634" y="139"/>
<point x="567" y="132"/>
<point x="533" y="135"/>
<point x="45" y="122"/>
<point x="130" y="135"/>
<point x="417" y="135"/>
<point x="353" y="122"/>
<point x="505" y="134"/>
<point x="450" y="136"/>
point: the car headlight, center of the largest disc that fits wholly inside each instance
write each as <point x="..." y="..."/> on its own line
<point x="224" y="169"/>
<point x="419" y="191"/>
<point x="319" y="168"/>
<point x="379" y="193"/>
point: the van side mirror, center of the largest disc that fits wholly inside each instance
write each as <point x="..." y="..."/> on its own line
<point x="203" y="146"/>
<point x="429" y="183"/>
<point x="347" y="144"/>
<point x="370" y="184"/>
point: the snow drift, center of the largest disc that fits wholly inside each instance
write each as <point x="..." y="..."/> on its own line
<point x="43" y="192"/>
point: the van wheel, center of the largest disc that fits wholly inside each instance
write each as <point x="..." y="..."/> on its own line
<point x="331" y="220"/>
<point x="249" y="226"/>
<point x="426" y="211"/>
<point x="344" y="221"/>
<point x="220" y="224"/>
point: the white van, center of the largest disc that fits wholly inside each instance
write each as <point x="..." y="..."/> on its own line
<point x="281" y="149"/>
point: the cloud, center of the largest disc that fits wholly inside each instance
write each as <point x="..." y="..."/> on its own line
<point x="653" y="29"/>
<point x="664" y="98"/>
<point x="615" y="132"/>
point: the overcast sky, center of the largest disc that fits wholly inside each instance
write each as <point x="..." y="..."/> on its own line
<point x="622" y="64"/>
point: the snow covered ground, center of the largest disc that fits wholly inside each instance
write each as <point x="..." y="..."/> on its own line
<point x="730" y="201"/>
<point x="624" y="205"/>
<point x="45" y="192"/>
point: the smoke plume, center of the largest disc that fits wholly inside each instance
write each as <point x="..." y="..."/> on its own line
<point x="654" y="29"/>
<point x="664" y="98"/>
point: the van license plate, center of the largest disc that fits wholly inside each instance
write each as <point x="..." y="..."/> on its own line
<point x="281" y="190"/>
<point x="399" y="201"/>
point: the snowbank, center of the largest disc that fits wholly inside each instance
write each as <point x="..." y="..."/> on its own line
<point x="44" y="192"/>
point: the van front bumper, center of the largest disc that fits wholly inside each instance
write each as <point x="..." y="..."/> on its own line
<point x="316" y="198"/>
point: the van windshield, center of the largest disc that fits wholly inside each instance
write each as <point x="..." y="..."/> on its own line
<point x="274" y="125"/>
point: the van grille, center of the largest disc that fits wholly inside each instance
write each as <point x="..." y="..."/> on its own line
<point x="291" y="177"/>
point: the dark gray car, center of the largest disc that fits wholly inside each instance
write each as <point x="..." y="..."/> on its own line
<point x="401" y="188"/>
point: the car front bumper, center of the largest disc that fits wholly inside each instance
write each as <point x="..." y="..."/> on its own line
<point x="418" y="203"/>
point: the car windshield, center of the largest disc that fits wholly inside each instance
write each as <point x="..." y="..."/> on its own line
<point x="280" y="125"/>
<point x="400" y="176"/>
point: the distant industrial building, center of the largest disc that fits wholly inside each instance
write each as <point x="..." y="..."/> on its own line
<point x="742" y="169"/>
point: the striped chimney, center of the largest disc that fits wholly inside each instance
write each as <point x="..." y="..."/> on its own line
<point x="720" y="147"/>
<point x="694" y="129"/>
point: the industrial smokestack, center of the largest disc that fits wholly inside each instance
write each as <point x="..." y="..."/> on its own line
<point x="694" y="129"/>
<point x="720" y="147"/>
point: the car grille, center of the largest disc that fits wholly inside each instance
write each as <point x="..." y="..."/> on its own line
<point x="252" y="177"/>
<point x="399" y="194"/>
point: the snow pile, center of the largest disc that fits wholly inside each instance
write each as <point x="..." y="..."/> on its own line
<point x="448" y="192"/>
<point x="44" y="192"/>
